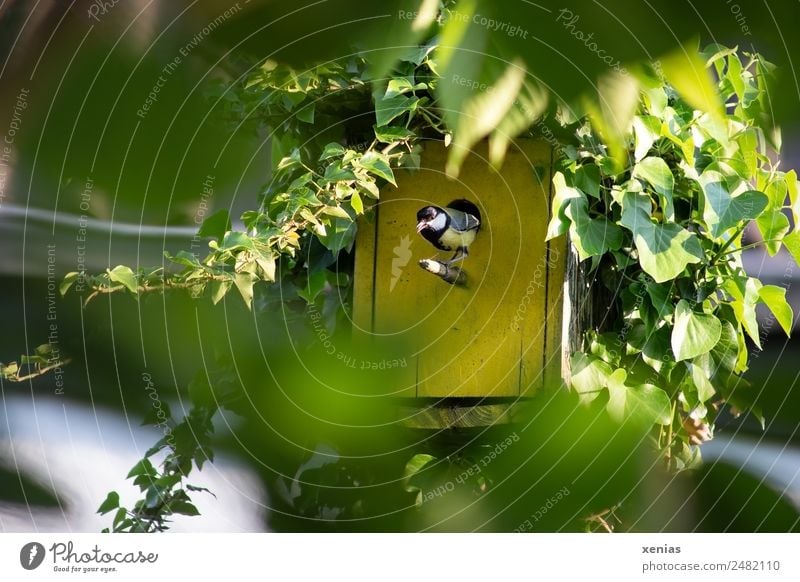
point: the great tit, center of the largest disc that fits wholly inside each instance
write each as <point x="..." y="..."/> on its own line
<point x="450" y="228"/>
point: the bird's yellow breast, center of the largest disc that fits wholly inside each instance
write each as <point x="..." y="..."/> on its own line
<point x="454" y="239"/>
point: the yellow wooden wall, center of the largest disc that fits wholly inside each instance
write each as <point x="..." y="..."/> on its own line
<point x="498" y="336"/>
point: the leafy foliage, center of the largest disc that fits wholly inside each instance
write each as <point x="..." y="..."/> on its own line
<point x="45" y="358"/>
<point x="664" y="235"/>
<point x="164" y="490"/>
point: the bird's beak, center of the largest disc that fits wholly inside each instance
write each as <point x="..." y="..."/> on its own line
<point x="422" y="225"/>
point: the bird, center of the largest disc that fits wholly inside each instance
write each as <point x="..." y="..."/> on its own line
<point x="452" y="228"/>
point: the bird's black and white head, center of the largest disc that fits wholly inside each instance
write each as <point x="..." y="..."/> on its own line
<point x="432" y="218"/>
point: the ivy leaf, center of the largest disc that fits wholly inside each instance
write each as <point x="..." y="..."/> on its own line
<point x="68" y="281"/>
<point x="415" y="464"/>
<point x="111" y="503"/>
<point x="124" y="275"/>
<point x="244" y="283"/>
<point x="391" y="134"/>
<point x="589" y="375"/>
<point x="357" y="203"/>
<point x="587" y="178"/>
<point x="184" y="258"/>
<point x="774" y="297"/>
<point x="331" y="150"/>
<point x="336" y="211"/>
<point x="143" y="467"/>
<point x="664" y="249"/>
<point x="412" y="472"/>
<point x="723" y="211"/>
<point x="234" y="240"/>
<point x="592" y="236"/>
<point x="656" y="172"/>
<point x="388" y="109"/>
<point x="773" y="226"/>
<point x="646" y="402"/>
<point x="559" y="223"/>
<point x="183" y="508"/>
<point x="693" y="334"/>
<point x="216" y="225"/>
<point x="660" y="297"/>
<point x="745" y="294"/>
<point x="686" y="70"/>
<point x="377" y="164"/>
<point x="791" y="185"/>
<point x="646" y="129"/>
<point x="336" y="172"/>
<point x="792" y="243"/>
<point x="700" y="379"/>
<point x="219" y="289"/>
<point x="341" y="234"/>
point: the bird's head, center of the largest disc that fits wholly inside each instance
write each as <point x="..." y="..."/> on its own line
<point x="427" y="217"/>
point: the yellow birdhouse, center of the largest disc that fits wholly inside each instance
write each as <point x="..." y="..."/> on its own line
<point x="497" y="330"/>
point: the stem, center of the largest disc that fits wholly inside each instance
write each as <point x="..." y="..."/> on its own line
<point x="39" y="371"/>
<point x="747" y="247"/>
<point x="669" y="431"/>
<point x="728" y="243"/>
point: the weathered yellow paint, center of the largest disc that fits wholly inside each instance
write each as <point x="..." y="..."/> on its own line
<point x="498" y="336"/>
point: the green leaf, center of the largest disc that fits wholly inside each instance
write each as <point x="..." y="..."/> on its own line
<point x="341" y="234"/>
<point x="331" y="150"/>
<point x="664" y="249"/>
<point x="306" y="113"/>
<point x="124" y="275"/>
<point x="773" y="227"/>
<point x="589" y="375"/>
<point x="315" y="283"/>
<point x="646" y="129"/>
<point x="68" y="281"/>
<point x="723" y="211"/>
<point x="661" y="297"/>
<point x="244" y="283"/>
<point x="183" y="508"/>
<point x="336" y="172"/>
<point x="415" y="464"/>
<point x="700" y="380"/>
<point x="774" y="297"/>
<point x="745" y="294"/>
<point x="357" y="203"/>
<point x="794" y="200"/>
<point x="184" y="258"/>
<point x="236" y="240"/>
<point x="216" y="225"/>
<point x="792" y="243"/>
<point x="592" y="236"/>
<point x="400" y="85"/>
<point x="111" y="503"/>
<point x="645" y="402"/>
<point x="377" y="164"/>
<point x="391" y="134"/>
<point x="143" y="467"/>
<point x="219" y="289"/>
<point x="337" y="211"/>
<point x="587" y="178"/>
<point x="656" y="172"/>
<point x="564" y="195"/>
<point x="388" y="109"/>
<point x="693" y="334"/>
<point x="686" y="71"/>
